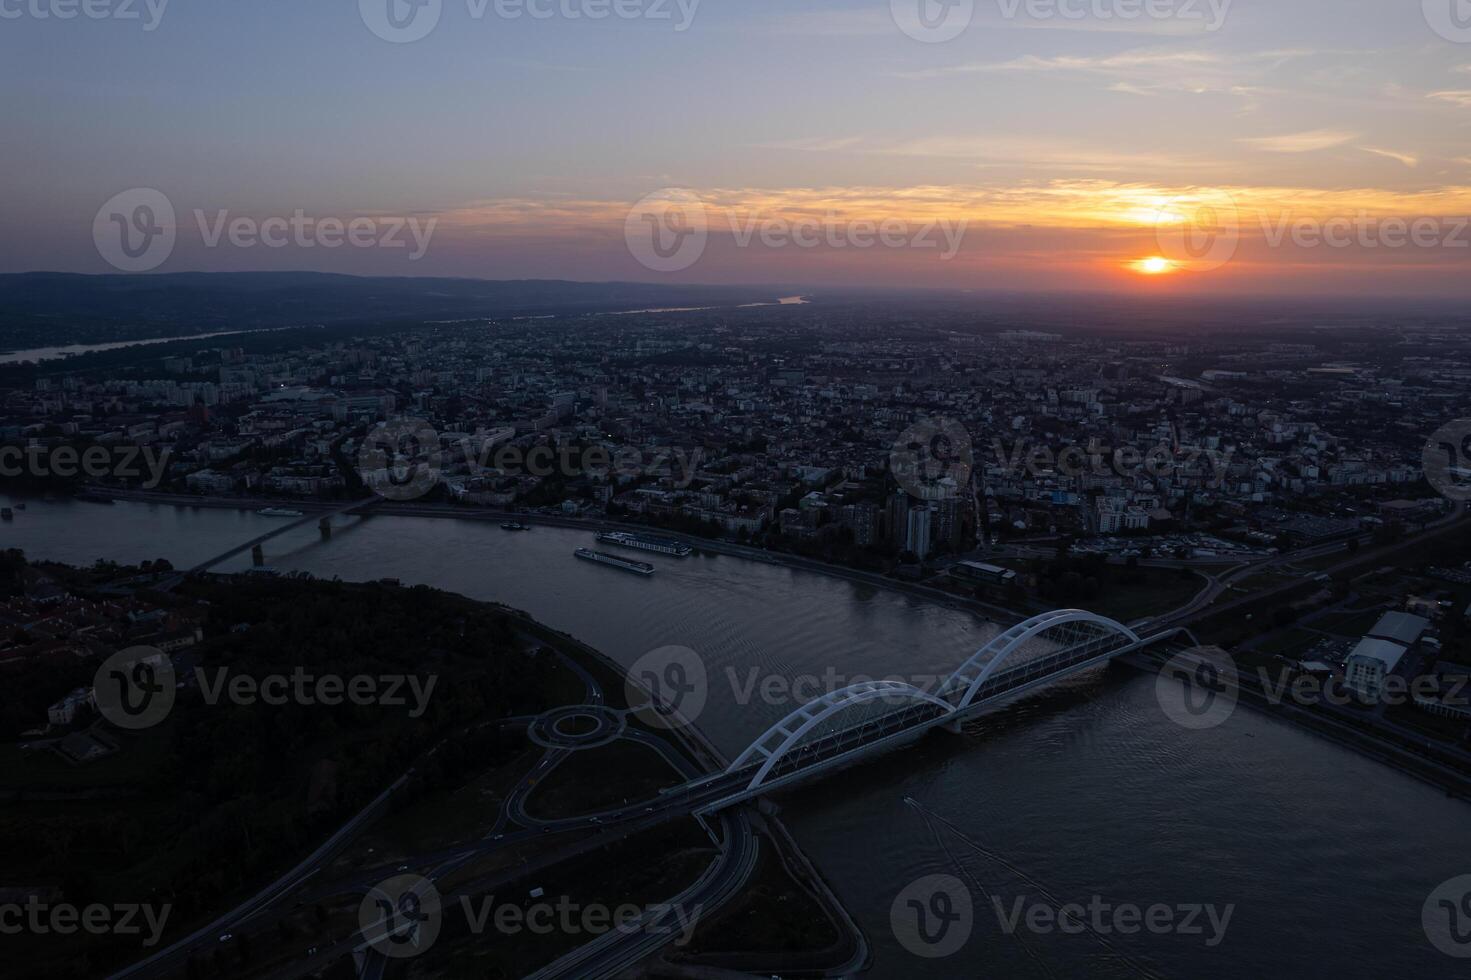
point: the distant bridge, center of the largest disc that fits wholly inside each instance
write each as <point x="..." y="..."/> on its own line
<point x="325" y="517"/>
<point x="819" y="736"/>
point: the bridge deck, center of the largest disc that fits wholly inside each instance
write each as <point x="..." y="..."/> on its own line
<point x="357" y="505"/>
<point x="744" y="780"/>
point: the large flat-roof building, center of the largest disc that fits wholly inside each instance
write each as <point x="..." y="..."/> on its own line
<point x="1380" y="652"/>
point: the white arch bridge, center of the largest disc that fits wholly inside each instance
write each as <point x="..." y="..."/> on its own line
<point x="869" y="717"/>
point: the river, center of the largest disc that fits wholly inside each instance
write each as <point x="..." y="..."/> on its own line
<point x="38" y="354"/>
<point x="1324" y="857"/>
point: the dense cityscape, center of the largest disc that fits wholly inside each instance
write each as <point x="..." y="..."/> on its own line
<point x="781" y="428"/>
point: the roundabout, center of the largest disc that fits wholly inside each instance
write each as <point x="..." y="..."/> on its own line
<point x="578" y="726"/>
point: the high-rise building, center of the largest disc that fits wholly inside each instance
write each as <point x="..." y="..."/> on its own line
<point x="918" y="531"/>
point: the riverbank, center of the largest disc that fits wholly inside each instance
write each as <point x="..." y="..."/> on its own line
<point x="1428" y="766"/>
<point x="985" y="611"/>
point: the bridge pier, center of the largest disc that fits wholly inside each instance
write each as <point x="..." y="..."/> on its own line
<point x="258" y="555"/>
<point x="954" y="727"/>
<point x="325" y="526"/>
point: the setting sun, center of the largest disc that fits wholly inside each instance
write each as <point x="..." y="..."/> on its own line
<point x="1154" y="266"/>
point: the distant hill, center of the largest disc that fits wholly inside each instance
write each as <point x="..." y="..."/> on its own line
<point x="39" y="309"/>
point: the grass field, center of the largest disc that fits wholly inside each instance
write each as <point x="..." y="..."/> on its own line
<point x="1349" y="623"/>
<point x="1289" y="643"/>
<point x="1159" y="591"/>
<point x="601" y="778"/>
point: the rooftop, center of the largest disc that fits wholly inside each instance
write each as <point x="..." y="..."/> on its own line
<point x="1400" y="627"/>
<point x="1387" y="653"/>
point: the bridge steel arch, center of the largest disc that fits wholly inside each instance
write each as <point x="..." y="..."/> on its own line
<point x="960" y="690"/>
<point x="956" y="695"/>
<point x="782" y="737"/>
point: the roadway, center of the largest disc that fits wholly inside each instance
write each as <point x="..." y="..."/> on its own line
<point x="1219" y="584"/>
<point x="306" y="884"/>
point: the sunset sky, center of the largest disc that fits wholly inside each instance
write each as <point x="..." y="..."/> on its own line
<point x="1078" y="152"/>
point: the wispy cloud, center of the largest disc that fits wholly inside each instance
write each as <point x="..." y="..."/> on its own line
<point x="1459" y="98"/>
<point x="1060" y="155"/>
<point x="814" y="144"/>
<point x="1148" y="71"/>
<point x="875" y="20"/>
<point x="1071" y="203"/>
<point x="1308" y="142"/>
<point x="1408" y="159"/>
